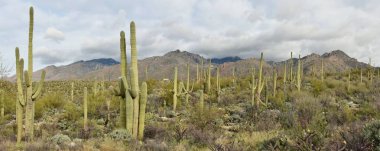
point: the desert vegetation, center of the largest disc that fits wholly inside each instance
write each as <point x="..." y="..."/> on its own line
<point x="283" y="108"/>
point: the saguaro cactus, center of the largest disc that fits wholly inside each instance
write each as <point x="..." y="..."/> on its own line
<point x="261" y="82"/>
<point x="361" y="75"/>
<point x="284" y="78"/>
<point x="291" y="68"/>
<point x="299" y="70"/>
<point x="274" y="83"/>
<point x="208" y="86"/>
<point x="132" y="109"/>
<point x="201" y="100"/>
<point x="175" y="88"/>
<point x="218" y="92"/>
<point x="349" y="81"/>
<point x="2" y="104"/>
<point x="252" y="86"/>
<point x="144" y="92"/>
<point x="85" y="123"/>
<point x="233" y="76"/>
<point x="187" y="90"/>
<point x="72" y="91"/>
<point x="322" y="72"/>
<point x="198" y="74"/>
<point x="30" y="95"/>
<point x="20" y="101"/>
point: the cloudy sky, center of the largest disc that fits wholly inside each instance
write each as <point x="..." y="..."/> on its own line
<point x="71" y="30"/>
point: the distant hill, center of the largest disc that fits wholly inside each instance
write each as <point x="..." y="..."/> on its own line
<point x="225" y="60"/>
<point x="160" y="67"/>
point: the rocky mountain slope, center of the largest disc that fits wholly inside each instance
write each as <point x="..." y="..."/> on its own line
<point x="161" y="67"/>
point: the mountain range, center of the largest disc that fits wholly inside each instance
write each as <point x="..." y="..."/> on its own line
<point x="161" y="67"/>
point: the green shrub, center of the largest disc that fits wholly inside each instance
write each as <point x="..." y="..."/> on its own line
<point x="120" y="135"/>
<point x="49" y="101"/>
<point x="372" y="133"/>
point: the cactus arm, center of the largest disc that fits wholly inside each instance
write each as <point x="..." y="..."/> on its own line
<point x="38" y="91"/>
<point x="134" y="72"/>
<point x="128" y="112"/>
<point x="123" y="55"/>
<point x="26" y="78"/>
<point x="143" y="100"/>
<point x="30" y="45"/>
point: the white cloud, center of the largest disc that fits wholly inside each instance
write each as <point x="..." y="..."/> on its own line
<point x="54" y="34"/>
<point x="214" y="28"/>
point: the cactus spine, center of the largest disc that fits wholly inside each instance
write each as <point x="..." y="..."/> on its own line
<point x="85" y="123"/>
<point x="299" y="80"/>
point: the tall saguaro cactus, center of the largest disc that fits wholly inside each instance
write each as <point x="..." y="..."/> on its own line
<point x="291" y="68"/>
<point x="261" y="82"/>
<point x="322" y="72"/>
<point x="85" y="123"/>
<point x="218" y="92"/>
<point x="27" y="98"/>
<point x="208" y="86"/>
<point x="175" y="88"/>
<point x="72" y="91"/>
<point x="299" y="71"/>
<point x="2" y="104"/>
<point x="187" y="90"/>
<point x="252" y="86"/>
<point x="132" y="108"/>
<point x="274" y="83"/>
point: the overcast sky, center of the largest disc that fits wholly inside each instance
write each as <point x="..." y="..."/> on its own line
<point x="72" y="30"/>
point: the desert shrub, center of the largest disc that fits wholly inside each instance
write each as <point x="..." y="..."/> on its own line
<point x="155" y="132"/>
<point x="206" y="119"/>
<point x="288" y="118"/>
<point x="120" y="135"/>
<point x="50" y="101"/>
<point x="72" y="112"/>
<point x="353" y="137"/>
<point x="317" y="87"/>
<point x="200" y="138"/>
<point x="268" y="120"/>
<point x="96" y="105"/>
<point x="306" y="107"/>
<point x="60" y="139"/>
<point x="276" y="143"/>
<point x="372" y="133"/>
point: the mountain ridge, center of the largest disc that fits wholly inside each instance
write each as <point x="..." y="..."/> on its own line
<point x="160" y="67"/>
